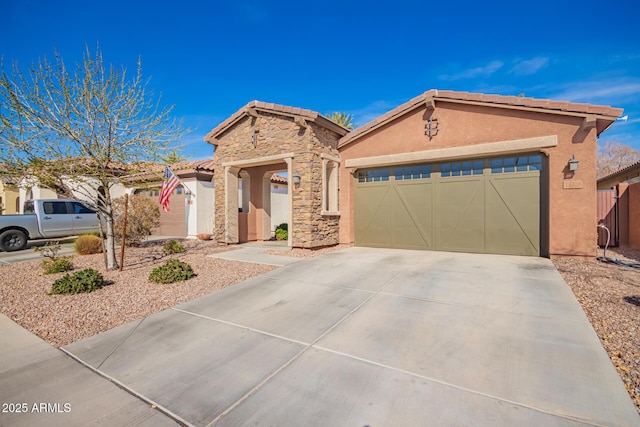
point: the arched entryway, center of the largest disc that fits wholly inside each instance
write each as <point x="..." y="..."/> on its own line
<point x="251" y="204"/>
<point x="261" y="139"/>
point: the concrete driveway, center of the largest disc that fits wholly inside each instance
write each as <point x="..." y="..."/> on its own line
<point x="374" y="337"/>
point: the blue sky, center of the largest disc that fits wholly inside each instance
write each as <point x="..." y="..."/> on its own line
<point x="209" y="58"/>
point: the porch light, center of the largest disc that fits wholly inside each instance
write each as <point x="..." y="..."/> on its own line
<point x="296" y="179"/>
<point x="574" y="164"/>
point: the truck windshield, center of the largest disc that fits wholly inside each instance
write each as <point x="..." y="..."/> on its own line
<point x="28" y="207"/>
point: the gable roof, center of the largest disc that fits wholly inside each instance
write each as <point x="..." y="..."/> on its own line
<point x="255" y="107"/>
<point x="605" y="114"/>
<point x="622" y="175"/>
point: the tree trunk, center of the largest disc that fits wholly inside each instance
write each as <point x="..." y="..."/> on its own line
<point x="112" y="262"/>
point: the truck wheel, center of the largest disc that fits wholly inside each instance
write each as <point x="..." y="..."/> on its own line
<point x="13" y="240"/>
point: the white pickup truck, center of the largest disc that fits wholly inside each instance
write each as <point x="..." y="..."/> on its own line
<point x="45" y="219"/>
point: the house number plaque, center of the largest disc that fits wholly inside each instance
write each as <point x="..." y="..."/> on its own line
<point x="571" y="184"/>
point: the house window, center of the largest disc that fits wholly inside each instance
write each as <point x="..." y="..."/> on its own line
<point x="330" y="187"/>
<point x="179" y="189"/>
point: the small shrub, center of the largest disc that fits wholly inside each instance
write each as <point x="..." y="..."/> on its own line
<point x="49" y="250"/>
<point x="172" y="271"/>
<point x="173" y="247"/>
<point x="57" y="264"/>
<point x="87" y="280"/>
<point x="282" y="234"/>
<point x="88" y="244"/>
<point x="284" y="226"/>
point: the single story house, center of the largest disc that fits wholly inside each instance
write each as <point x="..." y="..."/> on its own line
<point x="451" y="171"/>
<point x="190" y="204"/>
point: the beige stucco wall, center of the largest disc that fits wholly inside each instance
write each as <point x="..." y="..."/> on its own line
<point x="10" y="200"/>
<point x="278" y="135"/>
<point x="572" y="212"/>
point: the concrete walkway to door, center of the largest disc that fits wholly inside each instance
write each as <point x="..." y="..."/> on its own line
<point x="374" y="337"/>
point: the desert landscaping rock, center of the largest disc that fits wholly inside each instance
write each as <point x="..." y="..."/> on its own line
<point x="63" y="319"/>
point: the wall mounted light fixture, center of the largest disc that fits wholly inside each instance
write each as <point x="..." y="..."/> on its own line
<point x="574" y="163"/>
<point x="296" y="179"/>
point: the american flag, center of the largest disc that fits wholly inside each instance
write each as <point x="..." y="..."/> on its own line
<point x="169" y="184"/>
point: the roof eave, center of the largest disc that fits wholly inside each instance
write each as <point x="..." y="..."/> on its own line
<point x="428" y="100"/>
<point x="625" y="174"/>
<point x="253" y="108"/>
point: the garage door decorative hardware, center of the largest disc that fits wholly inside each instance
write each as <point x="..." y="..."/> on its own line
<point x="431" y="128"/>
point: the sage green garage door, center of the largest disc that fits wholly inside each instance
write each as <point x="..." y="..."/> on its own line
<point x="483" y="206"/>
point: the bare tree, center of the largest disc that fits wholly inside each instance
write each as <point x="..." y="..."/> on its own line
<point x="78" y="132"/>
<point x="613" y="156"/>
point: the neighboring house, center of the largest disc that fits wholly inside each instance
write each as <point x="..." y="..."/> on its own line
<point x="451" y="171"/>
<point x="190" y="204"/>
<point x="190" y="209"/>
<point x="29" y="189"/>
<point x="619" y="206"/>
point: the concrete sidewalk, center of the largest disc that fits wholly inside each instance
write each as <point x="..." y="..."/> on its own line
<point x="42" y="386"/>
<point x="255" y="252"/>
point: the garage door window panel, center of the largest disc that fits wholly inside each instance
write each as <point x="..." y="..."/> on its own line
<point x="412" y="172"/>
<point x="516" y="164"/>
<point x="466" y="168"/>
<point x="375" y="175"/>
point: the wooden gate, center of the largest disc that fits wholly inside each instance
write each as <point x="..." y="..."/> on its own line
<point x="608" y="215"/>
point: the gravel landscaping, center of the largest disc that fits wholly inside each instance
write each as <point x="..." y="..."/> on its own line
<point x="610" y="296"/>
<point x="63" y="319"/>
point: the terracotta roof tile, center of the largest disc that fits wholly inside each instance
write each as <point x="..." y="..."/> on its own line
<point x="156" y="170"/>
<point x="278" y="179"/>
<point x="622" y="170"/>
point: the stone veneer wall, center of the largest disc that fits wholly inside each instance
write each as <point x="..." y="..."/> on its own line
<point x="279" y="135"/>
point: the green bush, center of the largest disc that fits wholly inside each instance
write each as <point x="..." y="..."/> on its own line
<point x="282" y="234"/>
<point x="87" y="280"/>
<point x="173" y="247"/>
<point x="172" y="271"/>
<point x="88" y="244"/>
<point x="282" y="231"/>
<point x="57" y="264"/>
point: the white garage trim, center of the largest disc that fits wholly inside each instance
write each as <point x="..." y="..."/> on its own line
<point x="479" y="150"/>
